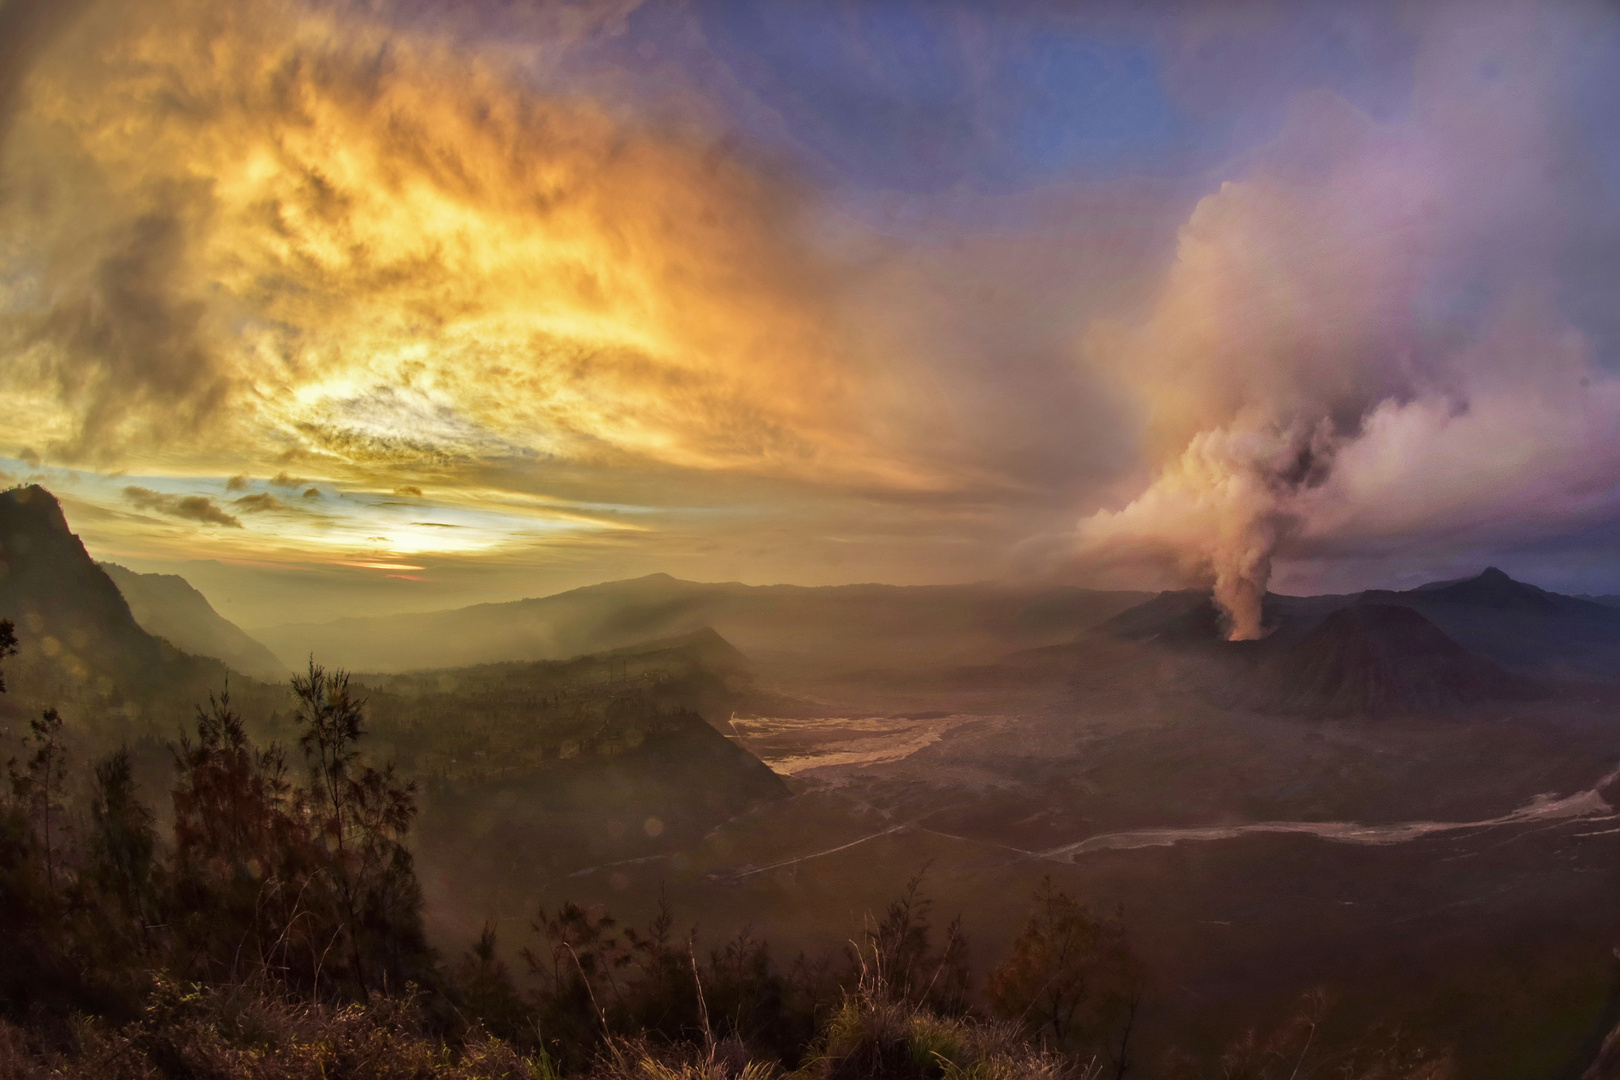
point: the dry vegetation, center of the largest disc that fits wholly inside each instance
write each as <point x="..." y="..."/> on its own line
<point x="275" y="931"/>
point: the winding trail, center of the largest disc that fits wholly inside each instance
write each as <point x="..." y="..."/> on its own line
<point x="1589" y="804"/>
<point x="750" y="871"/>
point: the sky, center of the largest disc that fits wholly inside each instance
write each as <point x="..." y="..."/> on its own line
<point x="358" y="306"/>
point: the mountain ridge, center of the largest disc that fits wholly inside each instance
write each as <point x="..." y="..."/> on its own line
<point x="80" y="647"/>
<point x="838" y="627"/>
<point x="170" y="607"/>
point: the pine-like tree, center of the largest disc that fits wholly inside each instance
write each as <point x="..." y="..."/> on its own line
<point x="123" y="842"/>
<point x="362" y="816"/>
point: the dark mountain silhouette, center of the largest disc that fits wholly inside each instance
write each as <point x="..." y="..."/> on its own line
<point x="1518" y="624"/>
<point x="1381" y="660"/>
<point x="786" y="628"/>
<point x="1491" y="588"/>
<point x="166" y="605"/>
<point x="64" y="605"/>
<point x="1180" y="617"/>
<point x="79" y="647"/>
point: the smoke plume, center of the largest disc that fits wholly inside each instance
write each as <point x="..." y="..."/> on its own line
<point x="1342" y="318"/>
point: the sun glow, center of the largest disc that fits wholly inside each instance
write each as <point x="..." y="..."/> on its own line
<point x="506" y="272"/>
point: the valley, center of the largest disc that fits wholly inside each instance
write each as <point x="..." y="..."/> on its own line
<point x="1356" y="802"/>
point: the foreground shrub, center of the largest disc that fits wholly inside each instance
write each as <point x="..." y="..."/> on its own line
<point x="640" y="1059"/>
<point x="879" y="1034"/>
<point x="1296" y="1050"/>
<point x="245" y="1033"/>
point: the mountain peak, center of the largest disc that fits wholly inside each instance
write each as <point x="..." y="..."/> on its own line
<point x="1493" y="588"/>
<point x="67" y="610"/>
<point x="35" y="504"/>
<point x="1375" y="659"/>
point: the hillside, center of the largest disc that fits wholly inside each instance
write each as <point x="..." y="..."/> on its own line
<point x="1381" y="660"/>
<point x="65" y="607"/>
<point x="1519" y="624"/>
<point x="786" y="628"/>
<point x="80" y="648"/>
<point x="166" y="606"/>
<point x="537" y="769"/>
<point x="511" y="716"/>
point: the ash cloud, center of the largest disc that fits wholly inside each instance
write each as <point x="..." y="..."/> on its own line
<point x="1361" y="336"/>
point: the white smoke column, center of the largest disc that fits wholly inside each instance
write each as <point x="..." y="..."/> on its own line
<point x="1219" y="511"/>
<point x="1285" y="319"/>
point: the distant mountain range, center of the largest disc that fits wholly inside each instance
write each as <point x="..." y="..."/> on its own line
<point x="1510" y="622"/>
<point x="167" y="606"/>
<point x="1441" y="647"/>
<point x="1444" y="645"/>
<point x="787" y="629"/>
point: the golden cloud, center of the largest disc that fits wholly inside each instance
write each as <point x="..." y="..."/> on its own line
<point x="290" y="233"/>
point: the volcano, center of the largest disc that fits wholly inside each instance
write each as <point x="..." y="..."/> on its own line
<point x="1381" y="660"/>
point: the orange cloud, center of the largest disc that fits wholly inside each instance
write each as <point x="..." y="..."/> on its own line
<point x="276" y="231"/>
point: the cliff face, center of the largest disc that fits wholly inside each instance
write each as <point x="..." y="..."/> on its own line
<point x="65" y="607"/>
<point x="79" y="647"/>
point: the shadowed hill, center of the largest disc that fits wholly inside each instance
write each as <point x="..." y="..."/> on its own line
<point x="1179" y="617"/>
<point x="531" y="709"/>
<point x="512" y="831"/>
<point x="79" y="647"/>
<point x="543" y="768"/>
<point x="65" y="607"/>
<point x="167" y="606"/>
<point x="787" y="628"/>
<point x="1518" y="624"/>
<point x="1381" y="660"/>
